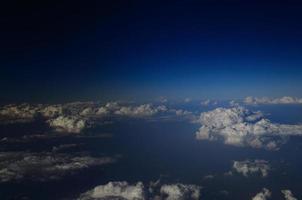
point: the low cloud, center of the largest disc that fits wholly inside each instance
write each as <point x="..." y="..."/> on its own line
<point x="288" y="195"/>
<point x="69" y="124"/>
<point x="77" y="116"/>
<point x="266" y="100"/>
<point x="180" y="191"/>
<point x="114" y="190"/>
<point x="249" y="167"/>
<point x="16" y="166"/>
<point x="238" y="126"/>
<point x="137" y="191"/>
<point x="263" y="195"/>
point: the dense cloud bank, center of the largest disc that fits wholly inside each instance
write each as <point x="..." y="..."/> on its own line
<point x="15" y="166"/>
<point x="77" y="116"/>
<point x="266" y="100"/>
<point x="138" y="191"/>
<point x="249" y="167"/>
<point x="240" y="127"/>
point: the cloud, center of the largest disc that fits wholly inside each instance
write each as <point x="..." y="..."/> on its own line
<point x="69" y="124"/>
<point x="249" y="167"/>
<point x="137" y="191"/>
<point x="208" y="102"/>
<point x="22" y="112"/>
<point x="266" y="100"/>
<point x="15" y="166"/>
<point x="240" y="127"/>
<point x="114" y="190"/>
<point x="288" y="195"/>
<point x="140" y="111"/>
<point x="76" y="116"/>
<point x="180" y="191"/>
<point x="263" y="195"/>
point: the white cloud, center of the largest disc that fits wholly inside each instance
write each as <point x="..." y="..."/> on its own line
<point x="114" y="190"/>
<point x="266" y="100"/>
<point x="156" y="191"/>
<point x="240" y="127"/>
<point x="51" y="111"/>
<point x="18" y="112"/>
<point x="140" y="111"/>
<point x="69" y="124"/>
<point x="180" y="191"/>
<point x="263" y="195"/>
<point x="288" y="195"/>
<point x="15" y="166"/>
<point x="249" y="167"/>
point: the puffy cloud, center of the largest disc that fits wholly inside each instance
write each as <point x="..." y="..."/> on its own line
<point x="51" y="111"/>
<point x="180" y="191"/>
<point x="288" y="195"/>
<point x="116" y="190"/>
<point x="69" y="124"/>
<point x="22" y="112"/>
<point x="15" y="166"/>
<point x="249" y="167"/>
<point x="124" y="190"/>
<point x="266" y="100"/>
<point x="240" y="127"/>
<point x="263" y="195"/>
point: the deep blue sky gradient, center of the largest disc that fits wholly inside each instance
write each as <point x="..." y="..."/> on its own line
<point x="139" y="50"/>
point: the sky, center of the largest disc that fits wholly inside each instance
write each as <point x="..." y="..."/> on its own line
<point x="142" y="50"/>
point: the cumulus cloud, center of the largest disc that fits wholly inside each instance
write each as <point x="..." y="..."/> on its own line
<point x="240" y="127"/>
<point x="76" y="116"/>
<point x="22" y="112"/>
<point x="266" y="100"/>
<point x="180" y="191"/>
<point x="15" y="166"/>
<point x="263" y="195"/>
<point x="249" y="167"/>
<point x="288" y="195"/>
<point x="137" y="191"/>
<point x="116" y="190"/>
<point x="69" y="124"/>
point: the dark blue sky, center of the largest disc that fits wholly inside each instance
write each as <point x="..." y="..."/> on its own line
<point x="141" y="50"/>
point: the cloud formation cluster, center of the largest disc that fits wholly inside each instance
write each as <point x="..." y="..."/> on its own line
<point x="15" y="166"/>
<point x="180" y="191"/>
<point x="263" y="195"/>
<point x="249" y="167"/>
<point x="124" y="190"/>
<point x="70" y="124"/>
<point x="240" y="127"/>
<point x="266" y="100"/>
<point x="75" y="117"/>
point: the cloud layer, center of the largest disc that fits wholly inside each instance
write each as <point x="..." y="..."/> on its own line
<point x="266" y="100"/>
<point x="240" y="127"/>
<point x="77" y="116"/>
<point x="15" y="166"/>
